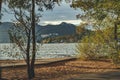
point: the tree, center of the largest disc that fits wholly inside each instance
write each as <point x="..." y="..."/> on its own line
<point x="23" y="33"/>
<point x="97" y="12"/>
<point x="0" y="21"/>
<point x="96" y="45"/>
<point x="0" y="8"/>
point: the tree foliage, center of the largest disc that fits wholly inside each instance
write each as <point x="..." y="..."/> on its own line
<point x="98" y="10"/>
<point x="23" y="33"/>
<point x="96" y="45"/>
<point x="101" y="14"/>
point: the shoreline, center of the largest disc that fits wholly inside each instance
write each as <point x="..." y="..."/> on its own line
<point x="20" y="63"/>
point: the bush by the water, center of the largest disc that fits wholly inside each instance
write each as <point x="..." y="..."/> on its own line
<point x="99" y="44"/>
<point x="90" y="51"/>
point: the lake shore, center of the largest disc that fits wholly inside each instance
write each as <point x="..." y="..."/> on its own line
<point x="67" y="70"/>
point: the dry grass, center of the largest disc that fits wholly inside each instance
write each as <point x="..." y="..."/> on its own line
<point x="71" y="70"/>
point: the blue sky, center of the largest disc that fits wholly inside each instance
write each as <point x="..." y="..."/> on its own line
<point x="62" y="13"/>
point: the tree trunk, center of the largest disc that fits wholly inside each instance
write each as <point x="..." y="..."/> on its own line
<point x="33" y="39"/>
<point x="0" y="22"/>
<point x="28" y="57"/>
<point x="115" y="32"/>
<point x="29" y="72"/>
<point x="115" y="56"/>
<point x="0" y="10"/>
<point x="0" y="72"/>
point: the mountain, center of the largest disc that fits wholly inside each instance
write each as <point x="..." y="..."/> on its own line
<point x="62" y="29"/>
<point x="57" y="30"/>
<point x="4" y="36"/>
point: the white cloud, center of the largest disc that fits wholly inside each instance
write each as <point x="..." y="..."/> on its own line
<point x="75" y="22"/>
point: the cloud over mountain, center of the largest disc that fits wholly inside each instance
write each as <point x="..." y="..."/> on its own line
<point x="42" y="31"/>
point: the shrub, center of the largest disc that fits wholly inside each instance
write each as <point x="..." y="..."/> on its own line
<point x="98" y="45"/>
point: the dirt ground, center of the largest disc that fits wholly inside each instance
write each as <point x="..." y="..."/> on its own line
<point x="70" y="70"/>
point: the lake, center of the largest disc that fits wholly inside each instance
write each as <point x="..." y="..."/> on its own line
<point x="52" y="50"/>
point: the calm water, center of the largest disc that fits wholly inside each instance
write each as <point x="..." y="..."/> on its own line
<point x="10" y="51"/>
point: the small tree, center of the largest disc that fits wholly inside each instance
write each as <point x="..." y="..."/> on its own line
<point x="98" y="44"/>
<point x="96" y="11"/>
<point x="23" y="33"/>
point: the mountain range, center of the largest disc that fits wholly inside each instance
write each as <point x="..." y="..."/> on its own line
<point x="62" y="29"/>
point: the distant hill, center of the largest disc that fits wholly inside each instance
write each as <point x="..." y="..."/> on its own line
<point x="4" y="27"/>
<point x="63" y="29"/>
<point x="56" y="30"/>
